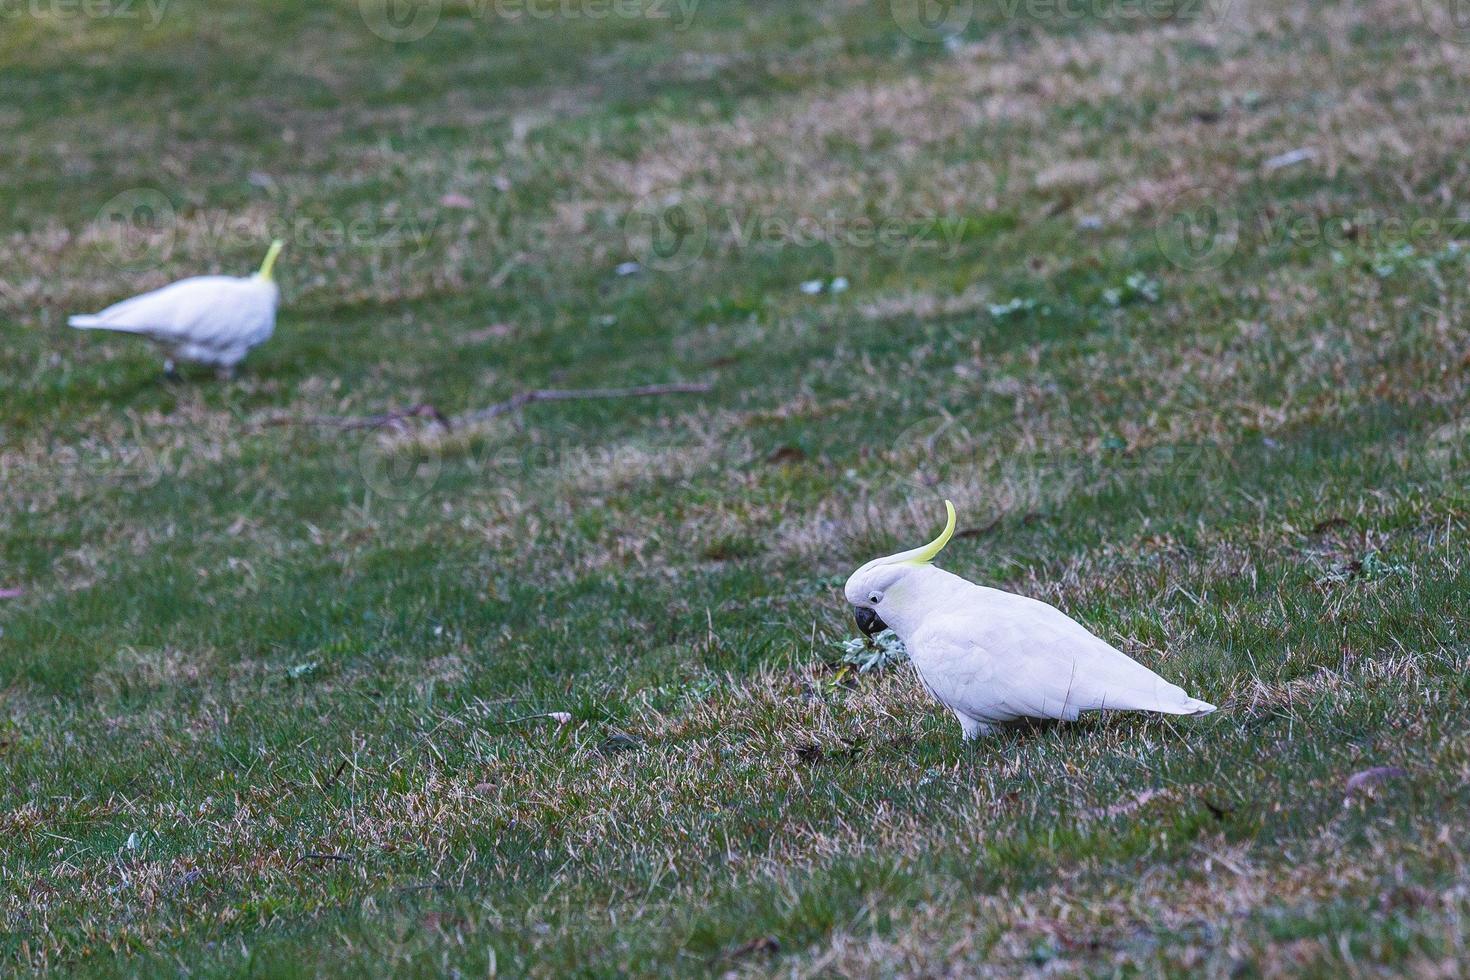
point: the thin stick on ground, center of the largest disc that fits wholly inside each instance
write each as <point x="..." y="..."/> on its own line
<point x="525" y="398"/>
<point x="351" y="422"/>
<point x="513" y="404"/>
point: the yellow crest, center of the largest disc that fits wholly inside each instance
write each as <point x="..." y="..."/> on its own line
<point x="924" y="555"/>
<point x="270" y="259"/>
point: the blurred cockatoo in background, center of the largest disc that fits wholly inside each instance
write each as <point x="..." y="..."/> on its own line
<point x="991" y="656"/>
<point x="213" y="320"/>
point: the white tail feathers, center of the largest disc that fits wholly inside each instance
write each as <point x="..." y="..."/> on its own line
<point x="1194" y="707"/>
<point x="93" y="321"/>
<point x="1179" y="703"/>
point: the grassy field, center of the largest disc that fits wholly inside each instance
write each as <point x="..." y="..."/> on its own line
<point x="1170" y="298"/>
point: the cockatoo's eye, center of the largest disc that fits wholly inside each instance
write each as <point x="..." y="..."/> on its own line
<point x="875" y="597"/>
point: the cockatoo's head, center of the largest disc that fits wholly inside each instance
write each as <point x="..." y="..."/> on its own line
<point x="888" y="586"/>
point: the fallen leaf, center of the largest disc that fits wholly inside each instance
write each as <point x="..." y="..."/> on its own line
<point x="808" y="752"/>
<point x="458" y="201"/>
<point x="620" y="742"/>
<point x="1363" y="783"/>
<point x="1138" y="801"/>
<point x="812" y="752"/>
<point x="976" y="532"/>
<point x="1406" y="897"/>
<point x="1217" y="811"/>
<point x="11" y="593"/>
<point x="496" y="331"/>
<point x="786" y="454"/>
<point x="442" y="921"/>
<point x="1289" y="158"/>
<point x="188" y="878"/>
<point x="761" y="944"/>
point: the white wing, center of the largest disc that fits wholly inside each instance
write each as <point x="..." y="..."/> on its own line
<point x="215" y="312"/>
<point x="1008" y="657"/>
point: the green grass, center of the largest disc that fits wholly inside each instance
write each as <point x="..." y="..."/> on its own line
<point x="268" y="705"/>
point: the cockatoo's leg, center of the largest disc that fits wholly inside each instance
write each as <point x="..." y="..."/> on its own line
<point x="170" y="369"/>
<point x="973" y="729"/>
<point x="225" y="372"/>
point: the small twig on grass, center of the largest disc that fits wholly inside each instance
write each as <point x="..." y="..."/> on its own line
<point x="978" y="532"/>
<point x="457" y="717"/>
<point x="351" y="422"/>
<point x="332" y="779"/>
<point x="512" y="404"/>
<point x="503" y="273"/>
<point x="560" y="717"/>
<point x="525" y="398"/>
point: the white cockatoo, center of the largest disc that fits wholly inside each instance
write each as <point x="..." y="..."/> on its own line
<point x="212" y="320"/>
<point x="991" y="656"/>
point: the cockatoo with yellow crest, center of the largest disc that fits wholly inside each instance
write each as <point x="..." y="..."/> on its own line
<point x="992" y="657"/>
<point x="213" y="320"/>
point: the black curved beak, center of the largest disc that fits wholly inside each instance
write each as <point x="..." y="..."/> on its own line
<point x="868" y="621"/>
